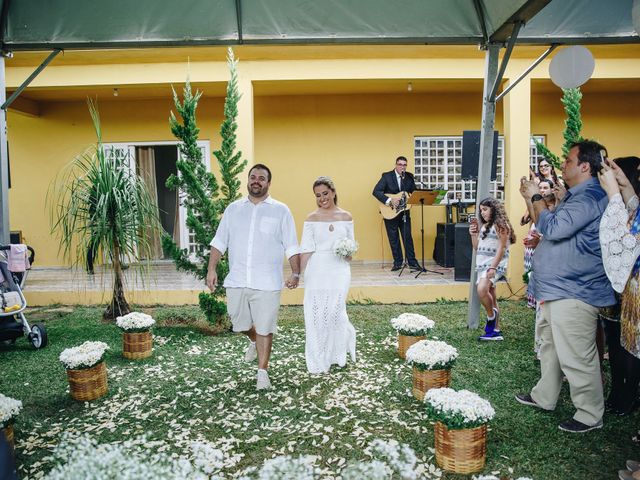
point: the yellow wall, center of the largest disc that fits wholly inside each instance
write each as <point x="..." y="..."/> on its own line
<point x="353" y="139"/>
<point x="40" y="147"/>
<point x="610" y="118"/>
<point x="310" y="116"/>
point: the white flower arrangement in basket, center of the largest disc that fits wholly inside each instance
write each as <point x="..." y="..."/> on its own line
<point x="458" y="409"/>
<point x="345" y="247"/>
<point x="135" y="322"/>
<point x="84" y="356"/>
<point x="9" y="409"/>
<point x="412" y="324"/>
<point x="432" y="355"/>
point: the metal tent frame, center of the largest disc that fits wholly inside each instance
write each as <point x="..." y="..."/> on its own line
<point x="56" y="25"/>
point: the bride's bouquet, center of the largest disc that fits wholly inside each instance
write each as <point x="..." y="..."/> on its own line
<point x="345" y="247"/>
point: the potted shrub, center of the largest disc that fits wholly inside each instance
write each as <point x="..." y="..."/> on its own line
<point x="86" y="370"/>
<point x="432" y="361"/>
<point x="411" y="328"/>
<point x="9" y="409"/>
<point x="461" y="428"/>
<point x="137" y="341"/>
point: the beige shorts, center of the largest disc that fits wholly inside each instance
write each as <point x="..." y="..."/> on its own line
<point x="494" y="280"/>
<point x="248" y="307"/>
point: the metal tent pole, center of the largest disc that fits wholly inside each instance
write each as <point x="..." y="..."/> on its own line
<point x="4" y="161"/>
<point x="484" y="166"/>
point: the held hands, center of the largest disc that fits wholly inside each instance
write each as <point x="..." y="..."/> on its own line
<point x="292" y="282"/>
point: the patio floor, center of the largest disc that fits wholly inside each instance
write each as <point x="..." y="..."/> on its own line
<point x="369" y="282"/>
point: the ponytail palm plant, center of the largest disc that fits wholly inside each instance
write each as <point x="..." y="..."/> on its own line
<point x="99" y="204"/>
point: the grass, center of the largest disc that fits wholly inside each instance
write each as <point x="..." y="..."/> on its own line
<point x="197" y="387"/>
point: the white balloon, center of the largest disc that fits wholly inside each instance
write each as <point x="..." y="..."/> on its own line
<point x="571" y="67"/>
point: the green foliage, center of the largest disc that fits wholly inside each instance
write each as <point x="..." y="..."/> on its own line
<point x="571" y="98"/>
<point x="200" y="189"/>
<point x="176" y="394"/>
<point x="98" y="204"/>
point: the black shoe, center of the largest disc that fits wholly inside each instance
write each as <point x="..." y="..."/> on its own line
<point x="395" y="268"/>
<point x="417" y="268"/>
<point x="525" y="399"/>
<point x="623" y="411"/>
<point x="574" y="426"/>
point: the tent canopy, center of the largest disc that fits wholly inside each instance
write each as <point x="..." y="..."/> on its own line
<point x="47" y="24"/>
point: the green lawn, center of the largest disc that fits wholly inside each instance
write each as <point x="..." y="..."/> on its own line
<point x="198" y="387"/>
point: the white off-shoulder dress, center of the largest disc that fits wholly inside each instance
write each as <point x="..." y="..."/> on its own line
<point x="329" y="334"/>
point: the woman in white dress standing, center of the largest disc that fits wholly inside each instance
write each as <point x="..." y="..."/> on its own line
<point x="329" y="334"/>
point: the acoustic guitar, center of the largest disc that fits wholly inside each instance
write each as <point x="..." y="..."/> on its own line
<point x="389" y="212"/>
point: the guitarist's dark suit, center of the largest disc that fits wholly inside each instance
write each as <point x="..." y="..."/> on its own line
<point x="401" y="225"/>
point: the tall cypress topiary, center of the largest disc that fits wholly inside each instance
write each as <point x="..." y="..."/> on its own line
<point x="571" y="98"/>
<point x="199" y="190"/>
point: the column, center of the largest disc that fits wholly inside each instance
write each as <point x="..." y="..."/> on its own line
<point x="517" y="134"/>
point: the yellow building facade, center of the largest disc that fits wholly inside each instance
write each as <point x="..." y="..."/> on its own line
<point x="306" y="111"/>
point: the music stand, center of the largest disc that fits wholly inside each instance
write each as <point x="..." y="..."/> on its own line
<point x="422" y="198"/>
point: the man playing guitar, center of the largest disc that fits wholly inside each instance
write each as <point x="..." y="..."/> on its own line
<point x="393" y="190"/>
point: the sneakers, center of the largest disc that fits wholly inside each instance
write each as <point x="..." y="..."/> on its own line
<point x="526" y="399"/>
<point x="574" y="426"/>
<point x="263" y="382"/>
<point x="627" y="475"/>
<point x="494" y="335"/>
<point x="251" y="353"/>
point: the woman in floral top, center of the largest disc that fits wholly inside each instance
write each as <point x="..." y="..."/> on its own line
<point x="620" y="242"/>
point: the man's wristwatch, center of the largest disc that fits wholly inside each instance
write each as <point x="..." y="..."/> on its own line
<point x="536" y="198"/>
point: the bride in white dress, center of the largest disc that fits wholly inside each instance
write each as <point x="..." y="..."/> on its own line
<point x="329" y="334"/>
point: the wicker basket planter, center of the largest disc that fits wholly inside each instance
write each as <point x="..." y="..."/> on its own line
<point x="89" y="383"/>
<point x="405" y="341"/>
<point x="136" y="346"/>
<point x="8" y="434"/>
<point x="461" y="451"/>
<point x="423" y="380"/>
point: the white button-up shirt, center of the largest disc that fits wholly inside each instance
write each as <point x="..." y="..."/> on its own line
<point x="257" y="237"/>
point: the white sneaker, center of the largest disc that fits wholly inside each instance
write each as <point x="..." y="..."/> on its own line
<point x="250" y="353"/>
<point x="263" y="380"/>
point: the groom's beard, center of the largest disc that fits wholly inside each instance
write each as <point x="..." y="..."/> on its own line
<point x="257" y="190"/>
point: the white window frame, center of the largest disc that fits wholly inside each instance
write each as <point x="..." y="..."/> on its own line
<point x="444" y="153"/>
<point x="130" y="147"/>
<point x="534" y="156"/>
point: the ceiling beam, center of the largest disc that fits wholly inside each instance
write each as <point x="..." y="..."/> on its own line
<point x="481" y="20"/>
<point x="26" y="106"/>
<point x="525" y="13"/>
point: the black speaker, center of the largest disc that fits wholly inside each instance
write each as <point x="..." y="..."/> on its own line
<point x="471" y="154"/>
<point x="463" y="253"/>
<point x="443" y="249"/>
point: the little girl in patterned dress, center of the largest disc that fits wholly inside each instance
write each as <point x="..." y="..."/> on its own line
<point x="491" y="239"/>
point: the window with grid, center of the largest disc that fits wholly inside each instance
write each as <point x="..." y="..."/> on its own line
<point x="438" y="165"/>
<point x="534" y="156"/>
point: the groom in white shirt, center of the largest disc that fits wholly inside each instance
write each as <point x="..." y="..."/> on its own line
<point x="257" y="230"/>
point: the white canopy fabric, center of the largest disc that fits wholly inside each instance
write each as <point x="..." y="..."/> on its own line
<point x="48" y="24"/>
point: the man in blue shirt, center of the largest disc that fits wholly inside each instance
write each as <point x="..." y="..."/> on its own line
<point x="570" y="282"/>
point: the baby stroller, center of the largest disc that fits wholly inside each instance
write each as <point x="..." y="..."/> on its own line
<point x="14" y="268"/>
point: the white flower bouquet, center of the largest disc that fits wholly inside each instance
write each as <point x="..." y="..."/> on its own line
<point x="84" y="356"/>
<point x="345" y="247"/>
<point x="9" y="408"/>
<point x="135" y="322"/>
<point x="412" y="324"/>
<point x="458" y="410"/>
<point x="432" y="355"/>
